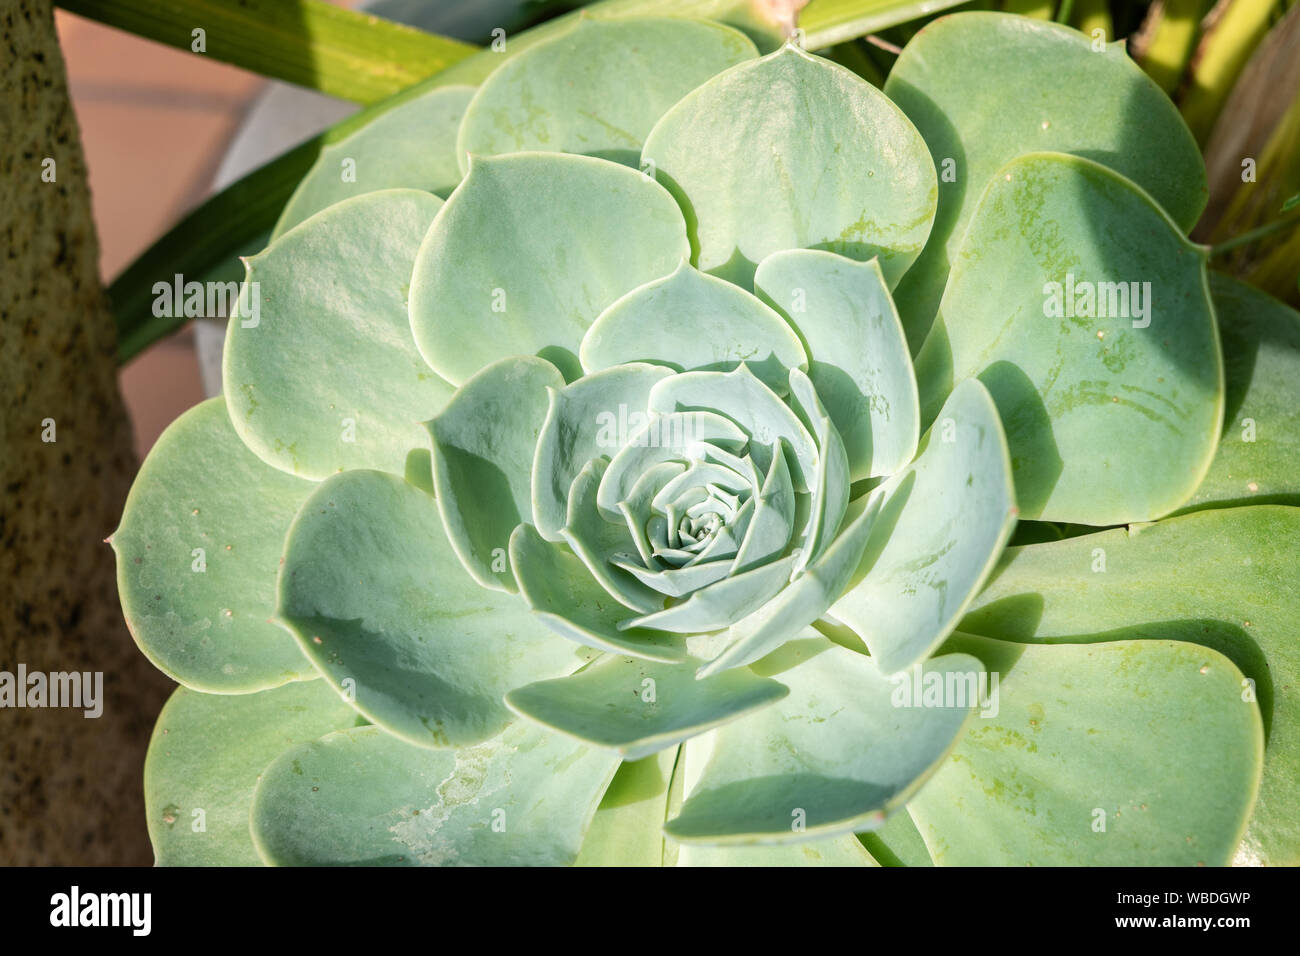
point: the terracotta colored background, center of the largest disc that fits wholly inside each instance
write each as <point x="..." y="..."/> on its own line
<point x="154" y="124"/>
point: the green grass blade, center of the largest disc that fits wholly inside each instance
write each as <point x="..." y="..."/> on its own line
<point x="339" y="52"/>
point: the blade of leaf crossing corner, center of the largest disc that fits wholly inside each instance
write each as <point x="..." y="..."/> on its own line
<point x="339" y="52"/>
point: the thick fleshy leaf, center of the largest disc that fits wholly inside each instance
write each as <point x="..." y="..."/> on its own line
<point x="723" y="603"/>
<point x="484" y="443"/>
<point x="836" y="851"/>
<point x="599" y="87"/>
<point x="364" y="798"/>
<point x="1226" y="579"/>
<point x="795" y="152"/>
<point x="666" y="437"/>
<point x="381" y="604"/>
<point x="940" y="530"/>
<point x="835" y="756"/>
<point x="804" y="600"/>
<point x="412" y="145"/>
<point x="1258" y="459"/>
<point x="204" y="759"/>
<point x="832" y="485"/>
<point x="771" y="527"/>
<point x="323" y="374"/>
<point x="627" y="829"/>
<point x="561" y="591"/>
<point x="694" y="322"/>
<point x="742" y="397"/>
<point x="590" y="418"/>
<point x="1063" y="94"/>
<point x="897" y="842"/>
<point x="604" y="545"/>
<point x="860" y="365"/>
<point x="197" y="554"/>
<point x="1084" y="311"/>
<point x="638" y="708"/>
<point x="1125" y="753"/>
<point x="528" y="250"/>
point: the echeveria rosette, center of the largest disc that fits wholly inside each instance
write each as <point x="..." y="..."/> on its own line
<point x="605" y="503"/>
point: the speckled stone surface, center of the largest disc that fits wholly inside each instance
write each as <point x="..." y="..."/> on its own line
<point x="70" y="789"/>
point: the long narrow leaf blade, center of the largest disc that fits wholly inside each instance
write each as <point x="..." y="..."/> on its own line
<point x="339" y="52"/>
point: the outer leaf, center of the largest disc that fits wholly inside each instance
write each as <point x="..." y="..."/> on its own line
<point x="941" y="528"/>
<point x="1110" y="419"/>
<point x="955" y="81"/>
<point x="1226" y="579"/>
<point x="1258" y="459"/>
<point x="196" y="573"/>
<point x="638" y="708"/>
<point x="376" y="597"/>
<point x="598" y="88"/>
<point x="204" y="760"/>
<point x="362" y="797"/>
<point x="325" y="376"/>
<point x="484" y="443"/>
<point x="860" y="365"/>
<point x="794" y="152"/>
<point x="412" y="145"/>
<point x="833" y="757"/>
<point x="527" y="252"/>
<point x="1149" y="738"/>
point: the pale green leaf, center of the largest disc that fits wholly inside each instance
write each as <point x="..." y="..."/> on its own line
<point x="383" y="607"/>
<point x="197" y="555"/>
<point x="940" y="530"/>
<point x="1085" y="312"/>
<point x="598" y="88"/>
<point x="528" y="250"/>
<point x="484" y="443"/>
<point x="793" y="151"/>
<point x="320" y="371"/>
<point x="1125" y="753"/>
<point x="364" y="798"/>
<point x="206" y="755"/>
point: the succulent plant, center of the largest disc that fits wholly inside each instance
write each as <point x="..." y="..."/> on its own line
<point x="575" y="495"/>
